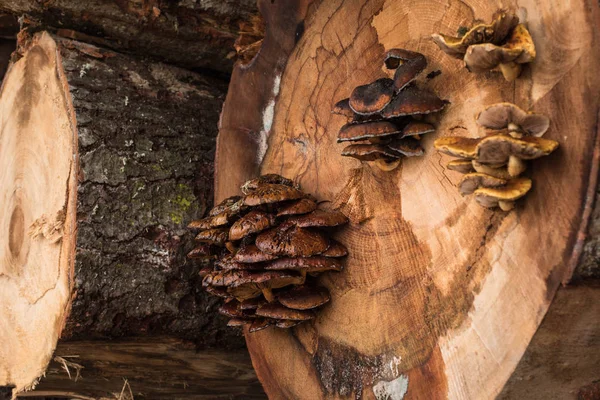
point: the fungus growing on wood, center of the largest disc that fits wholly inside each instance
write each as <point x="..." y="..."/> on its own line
<point x="504" y="45"/>
<point x="492" y="164"/>
<point x="272" y="241"/>
<point x="386" y="111"/>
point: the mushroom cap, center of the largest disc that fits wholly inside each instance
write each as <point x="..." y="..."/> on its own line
<point x="342" y="107"/>
<point x="225" y="278"/>
<point x="498" y="148"/>
<point x="318" y="218"/>
<point x="307" y="264"/>
<point x="272" y="193"/>
<point x="252" y="304"/>
<point x="255" y="183"/>
<point x="251" y="254"/>
<point x="205" y="271"/>
<point x="335" y="249"/>
<point x="244" y="292"/>
<point x="499" y="116"/>
<point x="224" y="205"/>
<point x="408" y="65"/>
<point x="217" y="236"/>
<point x="292" y="241"/>
<point x="369" y="152"/>
<point x="253" y="222"/>
<point x="234" y="322"/>
<point x="408" y="147"/>
<point x="499" y="171"/>
<point x="366" y="130"/>
<point x="373" y="97"/>
<point x="474" y="180"/>
<point x="413" y="101"/>
<point x="231" y="309"/>
<point x="202" y="251"/>
<point x="278" y="311"/>
<point x="227" y="263"/>
<point x="304" y="297"/>
<point x="417" y="128"/>
<point x="487" y="56"/>
<point x="215" y="221"/>
<point x="503" y="23"/>
<point x="513" y="190"/>
<point x="259" y="324"/>
<point x="286" y="324"/>
<point x="457" y="146"/>
<point x="302" y="206"/>
<point x="218" y="291"/>
<point x="462" y="166"/>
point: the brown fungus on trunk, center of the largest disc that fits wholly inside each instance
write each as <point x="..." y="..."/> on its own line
<point x="373" y="97"/>
<point x="407" y="147"/>
<point x="292" y="241"/>
<point x="304" y="297"/>
<point x="278" y="311"/>
<point x="387" y="110"/>
<point x="408" y="65"/>
<point x="253" y="222"/>
<point x="318" y="218"/>
<point x="302" y="206"/>
<point x="269" y="193"/>
<point x="462" y="166"/>
<point x="274" y="222"/>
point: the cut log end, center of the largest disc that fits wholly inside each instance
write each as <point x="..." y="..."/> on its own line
<point x="38" y="156"/>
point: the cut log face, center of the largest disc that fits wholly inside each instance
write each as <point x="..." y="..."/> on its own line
<point x="38" y="151"/>
<point x="440" y="297"/>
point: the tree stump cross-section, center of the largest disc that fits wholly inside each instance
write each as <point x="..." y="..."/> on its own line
<point x="440" y="297"/>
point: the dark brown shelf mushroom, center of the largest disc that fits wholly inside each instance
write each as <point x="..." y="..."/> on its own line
<point x="492" y="164"/>
<point x="266" y="250"/>
<point x="504" y="45"/>
<point x="387" y="112"/>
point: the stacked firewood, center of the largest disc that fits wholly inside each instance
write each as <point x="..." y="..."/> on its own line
<point x="266" y="249"/>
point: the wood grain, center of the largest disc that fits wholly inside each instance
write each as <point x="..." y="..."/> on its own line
<point x="440" y="297"/>
<point x="38" y="149"/>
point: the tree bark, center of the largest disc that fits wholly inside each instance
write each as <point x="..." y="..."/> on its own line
<point x="191" y="34"/>
<point x="105" y="160"/>
<point x="440" y="297"/>
<point x="149" y="368"/>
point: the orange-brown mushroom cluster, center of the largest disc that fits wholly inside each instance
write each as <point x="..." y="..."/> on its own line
<point x="503" y="45"/>
<point x="387" y="115"/>
<point x="267" y="247"/>
<point x="492" y="165"/>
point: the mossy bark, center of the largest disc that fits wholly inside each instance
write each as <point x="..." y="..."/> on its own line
<point x="146" y="143"/>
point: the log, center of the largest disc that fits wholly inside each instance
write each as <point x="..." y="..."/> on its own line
<point x="147" y="368"/>
<point x="440" y="297"/>
<point x="191" y="34"/>
<point x="104" y="160"/>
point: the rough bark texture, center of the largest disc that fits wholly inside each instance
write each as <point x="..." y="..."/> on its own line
<point x="150" y="368"/>
<point x="189" y="33"/>
<point x="589" y="264"/>
<point x="435" y="288"/>
<point x="146" y="140"/>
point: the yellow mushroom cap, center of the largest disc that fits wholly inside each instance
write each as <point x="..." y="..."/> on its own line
<point x="519" y="49"/>
<point x="457" y="146"/>
<point x="501" y="115"/>
<point x="475" y="180"/>
<point x="462" y="166"/>
<point x="499" y="148"/>
<point x="513" y="190"/>
<point x="495" y="32"/>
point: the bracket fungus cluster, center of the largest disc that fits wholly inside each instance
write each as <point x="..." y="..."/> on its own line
<point x="266" y="249"/>
<point x="504" y="45"/>
<point x="387" y="116"/>
<point x="492" y="165"/>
